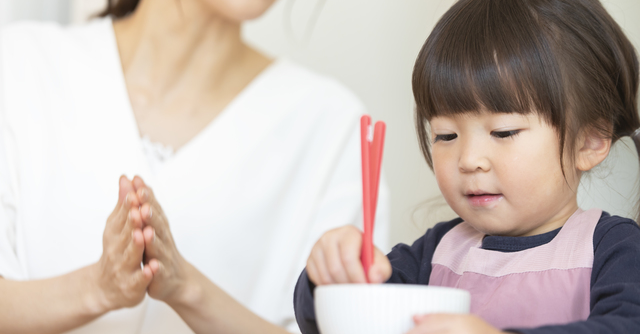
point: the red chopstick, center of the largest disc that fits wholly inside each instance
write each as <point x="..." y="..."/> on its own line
<point x="371" y="162"/>
<point x="376" y="161"/>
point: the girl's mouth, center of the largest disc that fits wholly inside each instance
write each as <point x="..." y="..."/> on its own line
<point x="484" y="200"/>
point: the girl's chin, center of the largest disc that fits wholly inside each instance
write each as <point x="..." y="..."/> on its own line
<point x="496" y="225"/>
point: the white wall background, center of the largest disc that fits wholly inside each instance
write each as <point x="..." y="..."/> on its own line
<point x="370" y="45"/>
<point x="13" y="10"/>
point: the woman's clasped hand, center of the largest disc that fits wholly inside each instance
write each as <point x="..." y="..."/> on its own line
<point x="139" y="254"/>
<point x="120" y="278"/>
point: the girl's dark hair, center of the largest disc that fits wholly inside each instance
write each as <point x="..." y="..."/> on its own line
<point x="566" y="60"/>
<point x="119" y="8"/>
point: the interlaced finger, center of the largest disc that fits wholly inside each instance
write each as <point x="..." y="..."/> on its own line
<point x="135" y="250"/>
<point x="146" y="195"/>
<point x="133" y="221"/>
<point x="153" y="244"/>
<point x="142" y="278"/>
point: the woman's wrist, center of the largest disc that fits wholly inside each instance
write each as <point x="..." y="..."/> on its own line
<point x="189" y="290"/>
<point x="94" y="299"/>
<point x="63" y="303"/>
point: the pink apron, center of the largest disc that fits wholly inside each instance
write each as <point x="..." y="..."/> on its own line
<point x="544" y="285"/>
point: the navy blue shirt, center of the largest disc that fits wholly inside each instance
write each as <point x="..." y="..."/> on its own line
<point x="615" y="276"/>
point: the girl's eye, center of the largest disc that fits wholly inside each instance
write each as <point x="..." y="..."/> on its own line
<point x="505" y="134"/>
<point x="447" y="137"/>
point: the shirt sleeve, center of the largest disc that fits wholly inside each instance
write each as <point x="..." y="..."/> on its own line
<point x="615" y="282"/>
<point x="410" y="264"/>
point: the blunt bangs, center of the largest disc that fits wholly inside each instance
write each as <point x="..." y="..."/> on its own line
<point x="488" y="55"/>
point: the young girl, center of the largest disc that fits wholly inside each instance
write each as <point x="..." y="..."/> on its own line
<point x="515" y="100"/>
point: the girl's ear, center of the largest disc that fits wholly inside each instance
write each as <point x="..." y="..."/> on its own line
<point x="593" y="148"/>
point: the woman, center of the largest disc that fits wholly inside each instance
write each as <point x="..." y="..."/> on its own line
<point x="251" y="158"/>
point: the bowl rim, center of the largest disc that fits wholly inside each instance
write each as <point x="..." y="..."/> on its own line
<point x="390" y="286"/>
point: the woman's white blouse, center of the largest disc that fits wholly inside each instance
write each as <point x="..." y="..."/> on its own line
<point x="246" y="198"/>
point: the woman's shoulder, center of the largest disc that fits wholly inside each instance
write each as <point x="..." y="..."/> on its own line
<point x="52" y="43"/>
<point x="46" y="32"/>
<point x="66" y="67"/>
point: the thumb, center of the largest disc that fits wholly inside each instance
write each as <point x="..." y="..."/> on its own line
<point x="125" y="187"/>
<point x="380" y="270"/>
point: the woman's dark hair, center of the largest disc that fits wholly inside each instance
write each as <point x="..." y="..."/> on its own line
<point x="119" y="8"/>
<point x="566" y="60"/>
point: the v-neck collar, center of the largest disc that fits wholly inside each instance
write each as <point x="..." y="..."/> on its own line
<point x="191" y="147"/>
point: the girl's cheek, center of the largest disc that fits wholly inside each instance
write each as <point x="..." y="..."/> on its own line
<point x="447" y="186"/>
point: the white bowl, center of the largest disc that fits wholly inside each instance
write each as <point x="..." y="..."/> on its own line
<point x="382" y="308"/>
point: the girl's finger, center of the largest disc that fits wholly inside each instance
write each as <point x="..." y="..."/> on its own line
<point x="320" y="264"/>
<point x="334" y="263"/>
<point x="350" y="256"/>
<point x="312" y="272"/>
<point x="380" y="270"/>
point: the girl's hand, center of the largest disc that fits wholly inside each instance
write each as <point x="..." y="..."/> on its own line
<point x="170" y="269"/>
<point x="120" y="280"/>
<point x="451" y="324"/>
<point x="335" y="258"/>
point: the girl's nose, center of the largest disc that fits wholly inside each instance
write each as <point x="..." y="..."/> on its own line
<point x="474" y="157"/>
